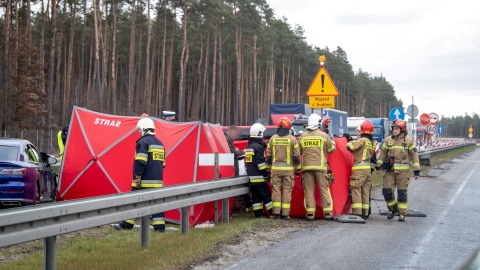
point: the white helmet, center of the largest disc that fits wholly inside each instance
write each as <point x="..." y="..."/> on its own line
<point x="314" y="121"/>
<point x="256" y="130"/>
<point x="145" y="124"/>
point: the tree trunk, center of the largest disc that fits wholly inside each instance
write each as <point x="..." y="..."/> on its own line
<point x="96" y="64"/>
<point x="183" y="67"/>
<point x="219" y="118"/>
<point x="238" y="77"/>
<point x="131" y="61"/>
<point x="213" y="111"/>
<point x="168" y="94"/>
<point x="113" y="69"/>
<point x="51" y="71"/>
<point x="67" y="94"/>
<point x="148" y="83"/>
<point x="6" y="65"/>
<point x="79" y="96"/>
<point x="254" y="98"/>
<point x="161" y="95"/>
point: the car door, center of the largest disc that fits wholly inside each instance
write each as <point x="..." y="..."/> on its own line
<point x="42" y="169"/>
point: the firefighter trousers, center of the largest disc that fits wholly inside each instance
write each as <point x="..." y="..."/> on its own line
<point x="399" y="181"/>
<point x="158" y="220"/>
<point x="309" y="179"/>
<point x="261" y="194"/>
<point x="282" y="186"/>
<point x="360" y="186"/>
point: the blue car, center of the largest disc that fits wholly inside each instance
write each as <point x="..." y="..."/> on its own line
<point x="25" y="174"/>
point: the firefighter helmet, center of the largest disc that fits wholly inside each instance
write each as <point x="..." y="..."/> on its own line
<point x="314" y="121"/>
<point x="366" y="127"/>
<point x="285" y="122"/>
<point x="399" y="123"/>
<point x="146" y="124"/>
<point x="257" y="130"/>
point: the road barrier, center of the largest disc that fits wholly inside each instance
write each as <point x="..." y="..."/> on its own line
<point x="426" y="154"/>
<point x="49" y="220"/>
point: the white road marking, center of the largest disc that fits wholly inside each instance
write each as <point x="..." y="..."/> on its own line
<point x="428" y="237"/>
<point x="231" y="267"/>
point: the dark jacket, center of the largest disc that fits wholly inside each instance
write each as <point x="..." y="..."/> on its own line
<point x="237" y="154"/>
<point x="149" y="162"/>
<point x="255" y="161"/>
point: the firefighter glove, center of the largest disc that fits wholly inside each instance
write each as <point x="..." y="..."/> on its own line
<point x="138" y="181"/>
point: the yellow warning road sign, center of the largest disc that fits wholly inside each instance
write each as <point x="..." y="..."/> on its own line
<point x="322" y="85"/>
<point x="470" y="130"/>
<point x="321" y="101"/>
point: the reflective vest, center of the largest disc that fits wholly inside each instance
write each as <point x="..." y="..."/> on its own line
<point x="61" y="147"/>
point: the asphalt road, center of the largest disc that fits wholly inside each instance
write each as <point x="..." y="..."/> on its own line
<point x="445" y="239"/>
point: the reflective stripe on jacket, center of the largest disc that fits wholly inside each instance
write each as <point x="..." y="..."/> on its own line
<point x="362" y="149"/>
<point x="403" y="149"/>
<point x="149" y="162"/>
<point x="255" y="161"/>
<point x="283" y="153"/>
<point x="314" y="146"/>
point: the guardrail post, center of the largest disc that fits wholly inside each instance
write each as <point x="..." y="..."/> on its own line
<point x="184" y="224"/>
<point x="49" y="250"/>
<point x="226" y="210"/>
<point x="217" y="176"/>
<point x="145" y="231"/>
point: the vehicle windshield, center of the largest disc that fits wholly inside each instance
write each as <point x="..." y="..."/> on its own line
<point x="297" y="129"/>
<point x="352" y="131"/>
<point x="378" y="131"/>
<point x="8" y="153"/>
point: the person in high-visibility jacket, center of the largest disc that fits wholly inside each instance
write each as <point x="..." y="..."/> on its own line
<point x="257" y="171"/>
<point x="397" y="153"/>
<point x="148" y="166"/>
<point x="314" y="146"/>
<point x="62" y="141"/>
<point x="363" y="148"/>
<point x="283" y="160"/>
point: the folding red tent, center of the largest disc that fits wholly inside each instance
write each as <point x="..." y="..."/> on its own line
<point x="98" y="157"/>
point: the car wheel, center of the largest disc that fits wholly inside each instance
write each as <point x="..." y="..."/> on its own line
<point x="238" y="204"/>
<point x="37" y="193"/>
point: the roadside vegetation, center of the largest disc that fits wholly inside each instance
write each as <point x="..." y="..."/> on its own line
<point x="104" y="248"/>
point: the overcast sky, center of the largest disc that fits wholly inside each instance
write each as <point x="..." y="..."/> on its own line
<point x="429" y="49"/>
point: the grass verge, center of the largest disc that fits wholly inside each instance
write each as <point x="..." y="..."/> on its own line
<point x="377" y="180"/>
<point x="109" y="249"/>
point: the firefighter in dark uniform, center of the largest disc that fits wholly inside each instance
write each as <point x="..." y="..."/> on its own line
<point x="257" y="171"/>
<point x="147" y="169"/>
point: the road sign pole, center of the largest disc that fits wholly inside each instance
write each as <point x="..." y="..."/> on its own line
<point x="414" y="130"/>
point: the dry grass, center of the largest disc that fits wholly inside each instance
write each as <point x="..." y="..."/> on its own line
<point x="109" y="249"/>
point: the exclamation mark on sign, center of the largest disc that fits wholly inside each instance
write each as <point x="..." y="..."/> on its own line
<point x="323" y="81"/>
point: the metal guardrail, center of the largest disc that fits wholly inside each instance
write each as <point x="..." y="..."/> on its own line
<point x="49" y="220"/>
<point x="426" y="154"/>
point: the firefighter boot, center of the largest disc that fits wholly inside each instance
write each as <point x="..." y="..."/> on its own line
<point x="401" y="218"/>
<point x="393" y="213"/>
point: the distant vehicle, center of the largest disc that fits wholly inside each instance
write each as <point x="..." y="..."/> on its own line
<point x="25" y="174"/>
<point x="289" y="110"/>
<point x="381" y="128"/>
<point x="337" y="121"/>
<point x="353" y="123"/>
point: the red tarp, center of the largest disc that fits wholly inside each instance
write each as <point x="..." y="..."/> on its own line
<point x="341" y="162"/>
<point x="98" y="157"/>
